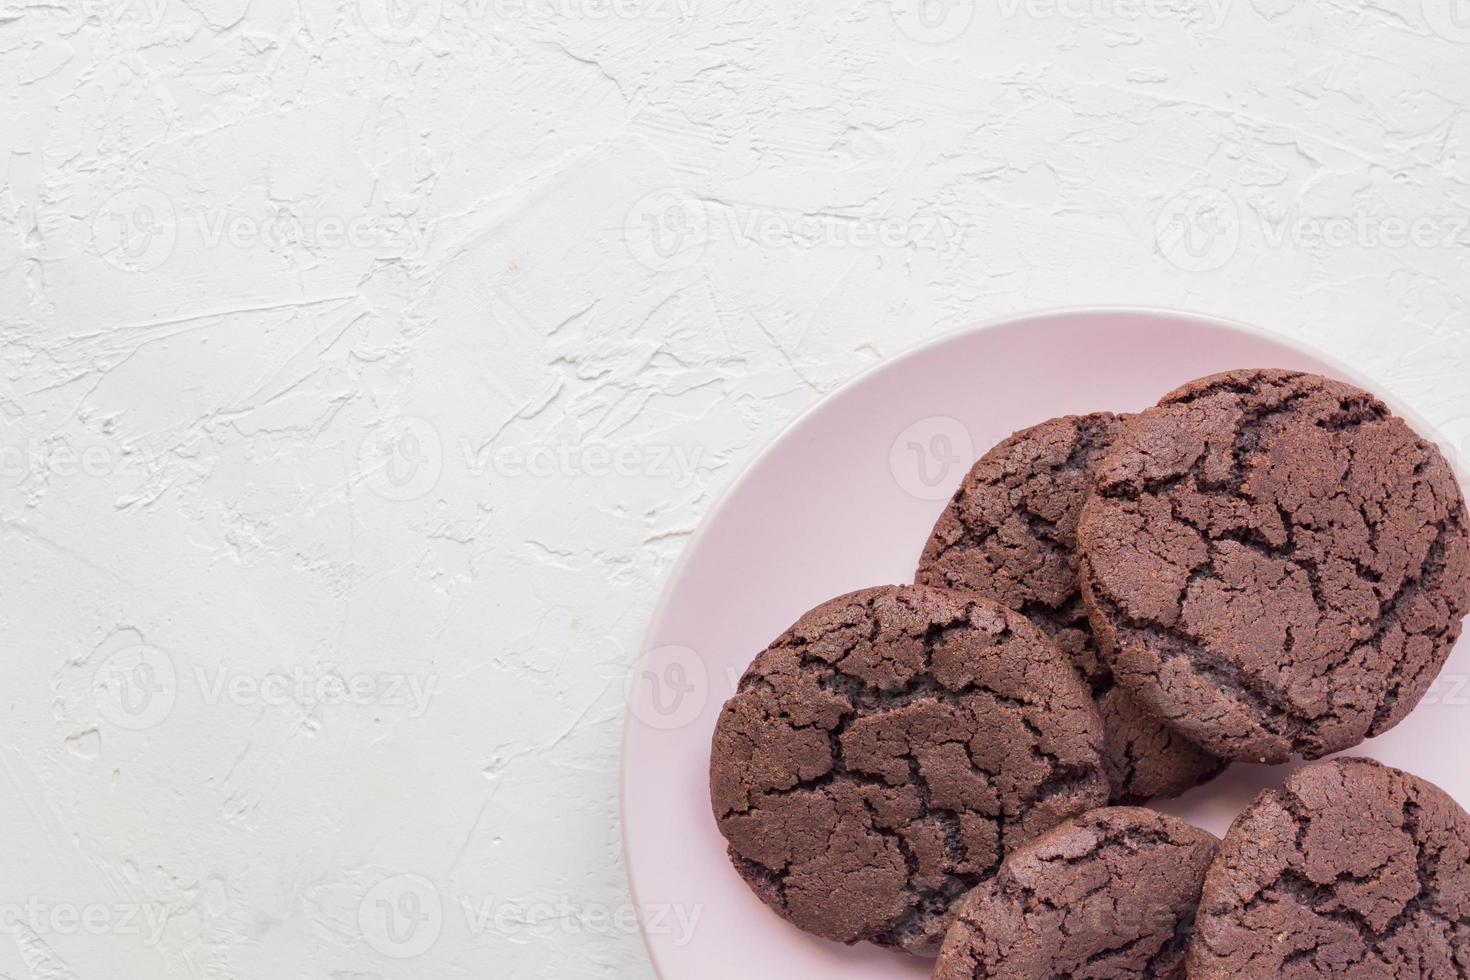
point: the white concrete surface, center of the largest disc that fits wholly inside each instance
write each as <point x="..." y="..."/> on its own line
<point x="398" y="345"/>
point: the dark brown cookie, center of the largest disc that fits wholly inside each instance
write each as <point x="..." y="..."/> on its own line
<point x="885" y="752"/>
<point x="1275" y="564"/>
<point x="1110" y="894"/>
<point x="1354" y="870"/>
<point x="1010" y="533"/>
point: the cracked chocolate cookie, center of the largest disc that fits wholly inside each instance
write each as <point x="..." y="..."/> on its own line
<point x="1275" y="564"/>
<point x="1010" y="533"/>
<point x="1354" y="870"/>
<point x="1109" y="894"/>
<point x="883" y="754"/>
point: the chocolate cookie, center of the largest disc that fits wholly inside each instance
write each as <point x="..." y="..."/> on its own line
<point x="1010" y="533"/>
<point x="1354" y="870"/>
<point x="1110" y="894"/>
<point x="1275" y="564"/>
<point x="885" y="752"/>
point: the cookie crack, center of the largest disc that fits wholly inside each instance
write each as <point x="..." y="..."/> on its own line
<point x="1263" y="700"/>
<point x="925" y="893"/>
<point x="1322" y="898"/>
<point x="1269" y="706"/>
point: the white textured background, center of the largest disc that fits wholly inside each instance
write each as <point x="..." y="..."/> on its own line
<point x="396" y="346"/>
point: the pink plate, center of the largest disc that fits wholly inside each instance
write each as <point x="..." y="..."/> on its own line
<point x="845" y="499"/>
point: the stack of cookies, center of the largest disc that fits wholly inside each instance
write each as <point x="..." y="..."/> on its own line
<point x="1265" y="565"/>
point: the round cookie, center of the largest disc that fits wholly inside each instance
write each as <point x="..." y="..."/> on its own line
<point x="882" y="755"/>
<point x="1353" y="870"/>
<point x="1275" y="564"/>
<point x="1109" y="894"/>
<point x="1010" y="533"/>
